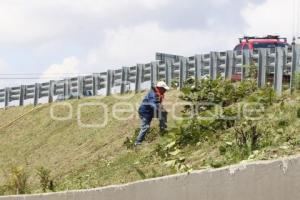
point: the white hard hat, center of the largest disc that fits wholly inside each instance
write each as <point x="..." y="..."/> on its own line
<point x="163" y="85"/>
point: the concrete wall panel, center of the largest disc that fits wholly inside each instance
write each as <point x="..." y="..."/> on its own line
<point x="268" y="180"/>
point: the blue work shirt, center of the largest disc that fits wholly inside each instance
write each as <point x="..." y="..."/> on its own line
<point x="150" y="105"/>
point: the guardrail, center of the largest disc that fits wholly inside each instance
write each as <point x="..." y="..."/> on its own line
<point x="278" y="62"/>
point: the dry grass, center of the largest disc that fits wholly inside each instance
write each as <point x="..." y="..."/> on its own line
<point x="67" y="149"/>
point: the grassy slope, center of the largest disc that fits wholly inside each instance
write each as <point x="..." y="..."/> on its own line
<point x="78" y="157"/>
<point x="88" y="157"/>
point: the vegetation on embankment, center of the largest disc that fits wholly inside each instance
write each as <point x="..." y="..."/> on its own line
<point x="223" y="123"/>
<point x="78" y="156"/>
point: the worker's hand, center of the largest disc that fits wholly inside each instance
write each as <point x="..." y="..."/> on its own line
<point x="161" y="111"/>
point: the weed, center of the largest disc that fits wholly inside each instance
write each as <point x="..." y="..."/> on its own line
<point x="283" y="123"/>
<point x="222" y="150"/>
<point x="247" y="134"/>
<point x="297" y="81"/>
<point x="3" y="189"/>
<point x="17" y="182"/>
<point x="174" y="83"/>
<point x="140" y="173"/>
<point x="298" y="112"/>
<point x="143" y="175"/>
<point x="253" y="71"/>
<point x="215" y="163"/>
<point x="45" y="180"/>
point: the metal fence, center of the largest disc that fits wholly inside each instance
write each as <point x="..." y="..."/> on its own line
<point x="277" y="63"/>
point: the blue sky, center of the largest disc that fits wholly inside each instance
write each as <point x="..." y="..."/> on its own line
<point x="53" y="37"/>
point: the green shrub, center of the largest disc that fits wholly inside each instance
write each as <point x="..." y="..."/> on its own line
<point x="236" y="153"/>
<point x="45" y="180"/>
<point x="208" y="93"/>
<point x="268" y="95"/>
<point x="228" y="117"/>
<point x="193" y="131"/>
<point x="247" y="134"/>
<point x="222" y="150"/>
<point x="216" y="163"/>
<point x="205" y="96"/>
<point x="245" y="88"/>
<point x="253" y="71"/>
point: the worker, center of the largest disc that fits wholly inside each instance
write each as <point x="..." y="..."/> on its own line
<point x="152" y="107"/>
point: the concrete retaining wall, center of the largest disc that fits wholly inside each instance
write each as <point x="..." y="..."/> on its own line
<point x="270" y="180"/>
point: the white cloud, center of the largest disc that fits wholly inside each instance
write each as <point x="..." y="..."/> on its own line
<point x="19" y="24"/>
<point x="69" y="67"/>
<point x="3" y="65"/>
<point x="101" y="7"/>
<point x="271" y="17"/>
<point x="36" y="22"/>
<point x="139" y="43"/>
<point x="114" y="33"/>
<point x="153" y="4"/>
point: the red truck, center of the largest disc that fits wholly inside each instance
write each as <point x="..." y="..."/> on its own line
<point x="269" y="41"/>
<point x="250" y="43"/>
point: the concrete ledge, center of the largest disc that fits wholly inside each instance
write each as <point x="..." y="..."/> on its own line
<point x="264" y="180"/>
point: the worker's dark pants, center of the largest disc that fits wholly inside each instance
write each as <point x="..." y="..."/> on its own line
<point x="163" y="119"/>
<point x="145" y="125"/>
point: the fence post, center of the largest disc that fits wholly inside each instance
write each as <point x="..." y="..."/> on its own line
<point x="246" y="64"/>
<point x="51" y="91"/>
<point x="154" y="73"/>
<point x="7" y="97"/>
<point x="280" y="54"/>
<point x="182" y="72"/>
<point x="22" y="95"/>
<point x="109" y="82"/>
<point x="198" y="68"/>
<point x="36" y="94"/>
<point x="95" y="84"/>
<point x="67" y="88"/>
<point x="168" y="72"/>
<point x="262" y="62"/>
<point x="229" y="65"/>
<point x="124" y="81"/>
<point x="213" y="65"/>
<point x="293" y="70"/>
<point x="80" y="87"/>
<point x="138" y="78"/>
